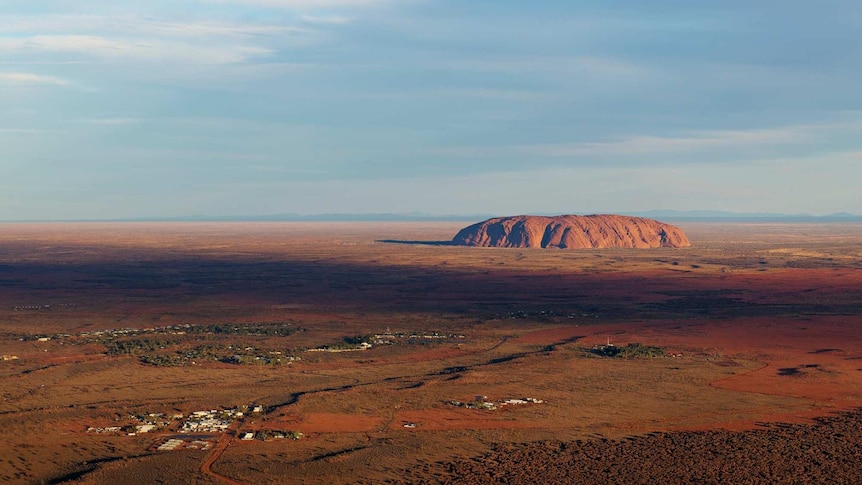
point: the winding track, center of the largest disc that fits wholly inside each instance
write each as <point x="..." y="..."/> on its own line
<point x="222" y="444"/>
<point x="228" y="436"/>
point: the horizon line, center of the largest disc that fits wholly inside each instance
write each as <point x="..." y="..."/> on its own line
<point x="688" y="215"/>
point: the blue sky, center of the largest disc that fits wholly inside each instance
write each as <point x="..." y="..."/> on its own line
<point x="236" y="107"/>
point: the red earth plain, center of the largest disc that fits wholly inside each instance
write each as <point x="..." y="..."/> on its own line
<point x="369" y="353"/>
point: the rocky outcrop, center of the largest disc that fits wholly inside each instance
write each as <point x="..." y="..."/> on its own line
<point x="572" y="232"/>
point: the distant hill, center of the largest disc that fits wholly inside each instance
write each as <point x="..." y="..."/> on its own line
<point x="292" y="217"/>
<point x="709" y="215"/>
<point x="667" y="215"/>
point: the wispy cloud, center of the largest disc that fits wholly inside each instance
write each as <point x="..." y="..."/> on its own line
<point x="304" y="4"/>
<point x="656" y="145"/>
<point x="213" y="29"/>
<point x="644" y="145"/>
<point x="126" y="26"/>
<point x="488" y="93"/>
<point x="122" y="37"/>
<point x="24" y="130"/>
<point x="26" y="79"/>
<point x="607" y="67"/>
<point x="103" y="48"/>
<point x="110" y="121"/>
<point x="474" y="93"/>
<point x="328" y="20"/>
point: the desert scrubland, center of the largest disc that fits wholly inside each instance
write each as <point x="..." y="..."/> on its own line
<point x="360" y="352"/>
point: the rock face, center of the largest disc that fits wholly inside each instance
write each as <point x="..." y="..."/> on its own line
<point x="571" y="232"/>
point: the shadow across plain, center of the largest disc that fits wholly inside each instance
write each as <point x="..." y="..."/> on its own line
<point x="417" y="243"/>
<point x="152" y="277"/>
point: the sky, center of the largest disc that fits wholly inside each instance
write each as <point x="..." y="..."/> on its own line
<point x="164" y="108"/>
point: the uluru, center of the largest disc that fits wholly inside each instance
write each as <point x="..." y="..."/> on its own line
<point x="572" y="232"/>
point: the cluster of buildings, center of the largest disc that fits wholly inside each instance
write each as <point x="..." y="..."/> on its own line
<point x="108" y="429"/>
<point x="260" y="357"/>
<point x="208" y="421"/>
<point x="131" y="430"/>
<point x="87" y="337"/>
<point x="19" y="308"/>
<point x="102" y="335"/>
<point x="390" y="338"/>
<point x="526" y="400"/>
<point x="174" y="444"/>
<point x="214" y="420"/>
<point x="359" y="347"/>
<point x="387" y="338"/>
<point x="170" y="445"/>
<point x="522" y="314"/>
<point x="151" y="351"/>
<point x="271" y="434"/>
<point x="144" y="423"/>
<point x="481" y="402"/>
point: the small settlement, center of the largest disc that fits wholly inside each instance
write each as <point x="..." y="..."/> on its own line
<point x="482" y="402"/>
<point x="201" y="427"/>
